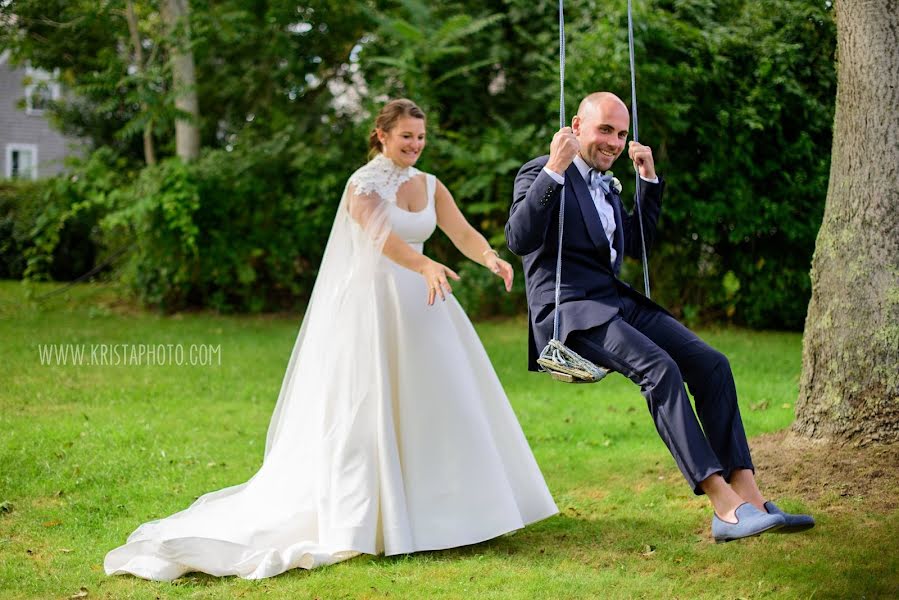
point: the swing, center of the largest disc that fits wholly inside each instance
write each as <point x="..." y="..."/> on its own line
<point x="561" y="362"/>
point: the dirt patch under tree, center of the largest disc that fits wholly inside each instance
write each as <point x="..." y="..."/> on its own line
<point x="819" y="472"/>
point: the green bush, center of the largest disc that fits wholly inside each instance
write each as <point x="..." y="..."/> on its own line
<point x="239" y="230"/>
<point x="157" y="214"/>
<point x="49" y="228"/>
<point x="19" y="205"/>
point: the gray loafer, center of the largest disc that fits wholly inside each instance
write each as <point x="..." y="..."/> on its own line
<point x="793" y="523"/>
<point x="750" y="521"/>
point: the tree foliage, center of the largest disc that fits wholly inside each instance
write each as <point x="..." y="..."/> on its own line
<point x="736" y="99"/>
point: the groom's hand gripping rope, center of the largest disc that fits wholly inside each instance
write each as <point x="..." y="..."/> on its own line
<point x="562" y="150"/>
<point x="643" y="161"/>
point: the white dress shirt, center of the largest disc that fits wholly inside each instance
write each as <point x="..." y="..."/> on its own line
<point x="603" y="205"/>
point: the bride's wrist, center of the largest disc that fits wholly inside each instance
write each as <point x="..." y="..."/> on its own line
<point x="485" y="255"/>
<point x="421" y="264"/>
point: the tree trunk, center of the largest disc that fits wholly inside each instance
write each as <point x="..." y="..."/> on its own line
<point x="176" y="14"/>
<point x="131" y="17"/>
<point x="850" y="361"/>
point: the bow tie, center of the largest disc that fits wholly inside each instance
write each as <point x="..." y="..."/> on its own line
<point x="596" y="180"/>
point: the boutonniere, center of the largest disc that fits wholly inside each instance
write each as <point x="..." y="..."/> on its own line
<point x="616" y="185"/>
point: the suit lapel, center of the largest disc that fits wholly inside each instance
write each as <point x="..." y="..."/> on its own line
<point x="619" y="231"/>
<point x="585" y="202"/>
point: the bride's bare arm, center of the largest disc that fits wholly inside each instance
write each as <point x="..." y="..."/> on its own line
<point x="363" y="210"/>
<point x="435" y="274"/>
<point x="403" y="254"/>
<point x="466" y="238"/>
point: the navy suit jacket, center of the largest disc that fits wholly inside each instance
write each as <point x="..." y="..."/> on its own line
<point x="590" y="285"/>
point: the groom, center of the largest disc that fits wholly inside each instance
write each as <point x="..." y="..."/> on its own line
<point x="607" y="322"/>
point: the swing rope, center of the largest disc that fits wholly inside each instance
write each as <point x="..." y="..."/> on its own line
<point x="558" y="360"/>
<point x="630" y="47"/>
<point x="562" y="200"/>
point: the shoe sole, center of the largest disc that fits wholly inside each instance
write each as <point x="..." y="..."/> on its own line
<point x="794" y="528"/>
<point x="756" y="534"/>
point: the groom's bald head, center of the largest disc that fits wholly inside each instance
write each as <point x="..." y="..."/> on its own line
<point x="601" y="102"/>
<point x="601" y="126"/>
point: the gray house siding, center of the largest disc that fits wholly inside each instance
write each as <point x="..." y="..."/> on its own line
<point x="18" y="128"/>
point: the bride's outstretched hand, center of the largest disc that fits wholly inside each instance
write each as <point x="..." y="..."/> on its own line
<point x="501" y="268"/>
<point x="436" y="275"/>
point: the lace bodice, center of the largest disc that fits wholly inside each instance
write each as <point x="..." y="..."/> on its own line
<point x="382" y="177"/>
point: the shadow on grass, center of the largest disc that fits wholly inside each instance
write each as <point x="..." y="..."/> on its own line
<point x="558" y="536"/>
<point x="659" y="554"/>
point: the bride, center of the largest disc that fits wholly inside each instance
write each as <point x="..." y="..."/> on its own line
<point x="391" y="433"/>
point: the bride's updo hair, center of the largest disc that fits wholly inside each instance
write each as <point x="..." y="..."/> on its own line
<point x="392" y="112"/>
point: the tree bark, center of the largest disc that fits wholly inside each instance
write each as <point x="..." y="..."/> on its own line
<point x="176" y="15"/>
<point x="131" y="17"/>
<point x="849" y="389"/>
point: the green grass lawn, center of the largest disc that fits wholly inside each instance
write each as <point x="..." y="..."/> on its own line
<point x="88" y="453"/>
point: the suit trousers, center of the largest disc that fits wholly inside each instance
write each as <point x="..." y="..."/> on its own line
<point x="655" y="351"/>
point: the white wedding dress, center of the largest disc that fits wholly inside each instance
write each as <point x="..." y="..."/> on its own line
<point x="392" y="433"/>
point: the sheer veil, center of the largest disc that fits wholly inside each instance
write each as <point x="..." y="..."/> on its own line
<point x="337" y="341"/>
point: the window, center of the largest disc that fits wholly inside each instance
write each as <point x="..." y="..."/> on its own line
<point x="21" y="161"/>
<point x="41" y="96"/>
<point x="40" y="91"/>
